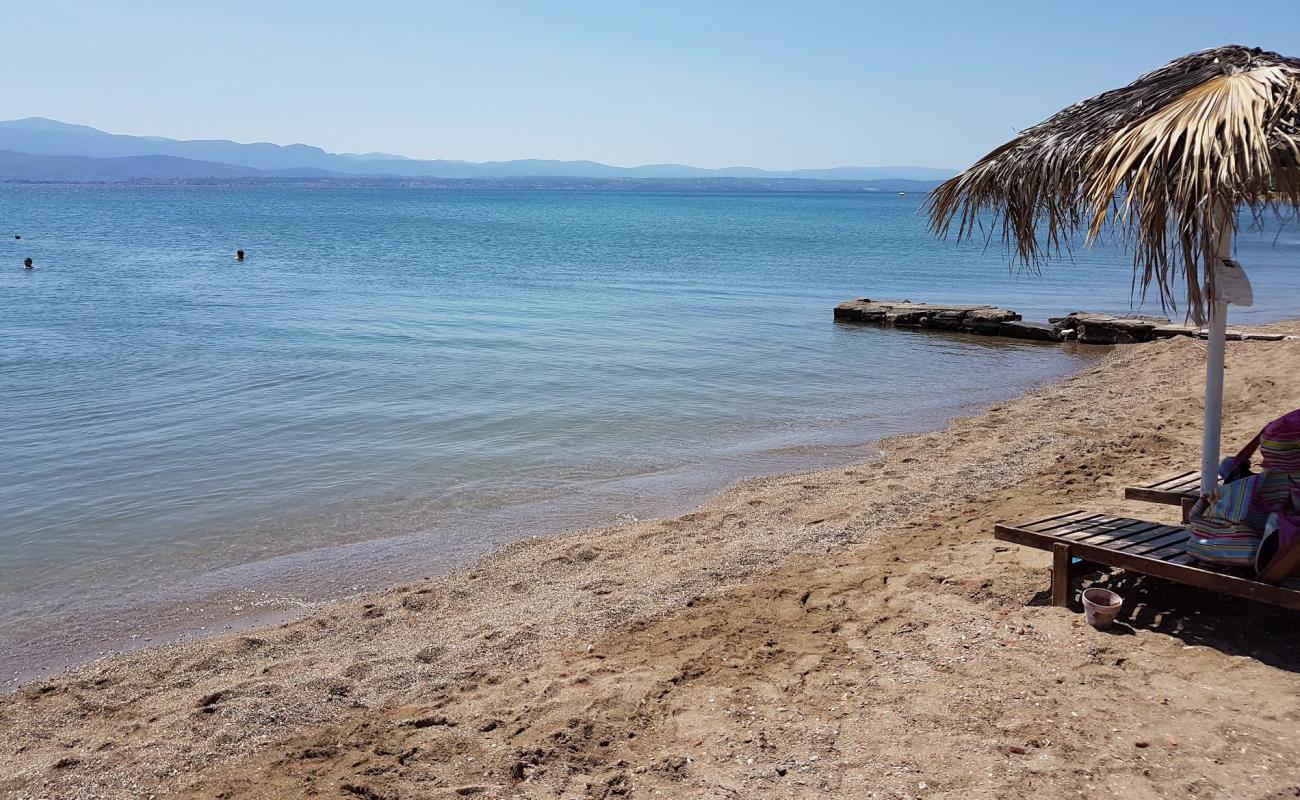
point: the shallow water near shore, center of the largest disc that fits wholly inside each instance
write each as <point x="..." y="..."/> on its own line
<point x="398" y="381"/>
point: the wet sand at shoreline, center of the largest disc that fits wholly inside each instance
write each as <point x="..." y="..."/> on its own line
<point x="57" y="621"/>
<point x="848" y="632"/>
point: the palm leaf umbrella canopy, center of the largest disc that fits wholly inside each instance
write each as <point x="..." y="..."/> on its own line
<point x="1166" y="161"/>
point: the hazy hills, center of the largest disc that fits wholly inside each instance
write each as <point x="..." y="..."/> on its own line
<point x="28" y="167"/>
<point x="43" y="149"/>
<point x="73" y="169"/>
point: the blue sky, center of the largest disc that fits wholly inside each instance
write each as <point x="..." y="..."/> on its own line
<point x="768" y="84"/>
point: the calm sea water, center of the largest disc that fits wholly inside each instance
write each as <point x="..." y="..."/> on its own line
<point x="398" y="380"/>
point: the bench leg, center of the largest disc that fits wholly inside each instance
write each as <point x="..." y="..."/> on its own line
<point x="1063" y="573"/>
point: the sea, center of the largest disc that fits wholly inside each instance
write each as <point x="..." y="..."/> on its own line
<point x="396" y="381"/>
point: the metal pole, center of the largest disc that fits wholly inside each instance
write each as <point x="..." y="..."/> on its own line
<point x="1215" y="352"/>
<point x="1213" y="397"/>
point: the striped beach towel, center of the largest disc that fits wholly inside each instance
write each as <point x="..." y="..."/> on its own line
<point x="1227" y="532"/>
<point x="1279" y="449"/>
<point x="1279" y="443"/>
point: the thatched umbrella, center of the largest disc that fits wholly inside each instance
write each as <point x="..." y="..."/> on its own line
<point x="1167" y="160"/>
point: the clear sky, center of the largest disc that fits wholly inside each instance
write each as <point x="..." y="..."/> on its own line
<point x="707" y="82"/>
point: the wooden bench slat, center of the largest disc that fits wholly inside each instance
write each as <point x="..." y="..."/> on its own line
<point x="1169" y="537"/>
<point x="1172" y="481"/>
<point x="1099" y="522"/>
<point x="1051" y="523"/>
<point x="1138" y="541"/>
<point x="1132" y="534"/>
<point x="1170" y="551"/>
<point x="1155" y="496"/>
<point x="1106" y="538"/>
<point x="1116" y="532"/>
<point x="1168" y="491"/>
<point x="1102" y="526"/>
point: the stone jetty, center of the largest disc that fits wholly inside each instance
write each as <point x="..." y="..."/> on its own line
<point x="1083" y="326"/>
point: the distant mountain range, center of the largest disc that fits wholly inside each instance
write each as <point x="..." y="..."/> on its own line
<point x="29" y="167"/>
<point x="39" y="149"/>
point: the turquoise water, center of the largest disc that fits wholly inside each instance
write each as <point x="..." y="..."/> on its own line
<point x="397" y="380"/>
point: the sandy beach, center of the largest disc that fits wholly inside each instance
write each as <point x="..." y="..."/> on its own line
<point x="854" y="632"/>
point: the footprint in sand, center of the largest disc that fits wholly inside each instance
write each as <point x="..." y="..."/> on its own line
<point x="430" y="653"/>
<point x="585" y="554"/>
<point x="208" y="703"/>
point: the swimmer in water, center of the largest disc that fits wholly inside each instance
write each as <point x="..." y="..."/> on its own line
<point x="27" y="264"/>
<point x="239" y="255"/>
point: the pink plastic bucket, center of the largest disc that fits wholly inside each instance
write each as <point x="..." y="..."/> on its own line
<point x="1100" y="607"/>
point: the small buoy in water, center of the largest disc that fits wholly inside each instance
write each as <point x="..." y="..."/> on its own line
<point x="239" y="255"/>
<point x="27" y="264"/>
<point x="16" y="236"/>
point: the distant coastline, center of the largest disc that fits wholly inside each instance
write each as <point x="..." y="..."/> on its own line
<point x="738" y="185"/>
<point x="45" y="150"/>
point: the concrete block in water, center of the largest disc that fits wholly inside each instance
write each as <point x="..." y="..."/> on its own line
<point x="1086" y="326"/>
<point x="1034" y="331"/>
<point x="1106" y="329"/>
<point x="988" y="320"/>
<point x="1170" y="331"/>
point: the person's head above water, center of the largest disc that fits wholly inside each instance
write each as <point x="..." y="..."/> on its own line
<point x="27" y="263"/>
<point x="239" y="255"/>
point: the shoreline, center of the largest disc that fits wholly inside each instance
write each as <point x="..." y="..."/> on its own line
<point x="296" y="585"/>
<point x="219" y="715"/>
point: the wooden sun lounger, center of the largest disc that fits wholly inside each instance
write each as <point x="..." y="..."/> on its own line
<point x="1148" y="548"/>
<point x="1175" y="490"/>
<point x="1171" y="490"/>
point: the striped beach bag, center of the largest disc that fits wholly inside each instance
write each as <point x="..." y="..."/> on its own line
<point x="1227" y="531"/>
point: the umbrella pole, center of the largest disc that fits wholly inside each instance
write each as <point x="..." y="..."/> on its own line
<point x="1217" y="345"/>
<point x="1213" y="397"/>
